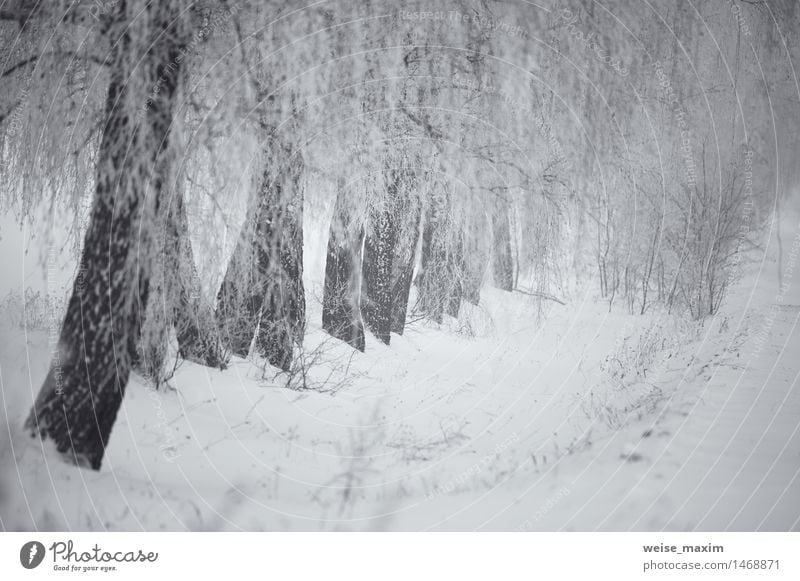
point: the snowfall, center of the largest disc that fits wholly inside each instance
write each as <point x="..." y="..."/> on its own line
<point x="572" y="417"/>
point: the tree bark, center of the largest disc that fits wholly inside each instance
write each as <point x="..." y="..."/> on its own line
<point x="455" y="271"/>
<point x="79" y="400"/>
<point x="476" y="259"/>
<point x="263" y="286"/>
<point x="503" y="262"/>
<point x="439" y="279"/>
<point x="175" y="299"/>
<point x="192" y="314"/>
<point x="376" y="287"/>
<point x="280" y="262"/>
<point x="403" y="265"/>
<point x="340" y="310"/>
<point x="432" y="260"/>
<point x="242" y="292"/>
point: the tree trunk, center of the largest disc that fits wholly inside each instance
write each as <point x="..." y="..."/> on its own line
<point x="280" y="261"/>
<point x="152" y="352"/>
<point x="263" y="286"/>
<point x="476" y="260"/>
<point x="432" y="294"/>
<point x="455" y="270"/>
<point x="340" y="311"/>
<point x="503" y="262"/>
<point x="441" y="269"/>
<point x="175" y="299"/>
<point x="192" y="315"/>
<point x="242" y="292"/>
<point x="389" y="256"/>
<point x="403" y="265"/>
<point x="79" y="400"/>
<point x="376" y="288"/>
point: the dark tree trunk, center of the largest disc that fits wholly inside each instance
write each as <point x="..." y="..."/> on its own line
<point x="280" y="262"/>
<point x="263" y="286"/>
<point x="242" y="292"/>
<point x="340" y="311"/>
<point x="454" y="303"/>
<point x="431" y="258"/>
<point x="439" y="291"/>
<point x="476" y="259"/>
<point x="455" y="271"/>
<point x="376" y="288"/>
<point x="403" y="265"/>
<point x="151" y="354"/>
<point x="192" y="315"/>
<point x="79" y="400"/>
<point x="175" y="299"/>
<point x="503" y="262"/>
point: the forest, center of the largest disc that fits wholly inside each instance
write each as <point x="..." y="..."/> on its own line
<point x="320" y="265"/>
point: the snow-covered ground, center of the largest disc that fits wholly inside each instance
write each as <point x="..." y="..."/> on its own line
<point x="582" y="419"/>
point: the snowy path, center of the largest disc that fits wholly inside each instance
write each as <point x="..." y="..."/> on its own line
<point x="533" y="429"/>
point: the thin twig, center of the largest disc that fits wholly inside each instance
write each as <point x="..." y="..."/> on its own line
<point x="541" y="295"/>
